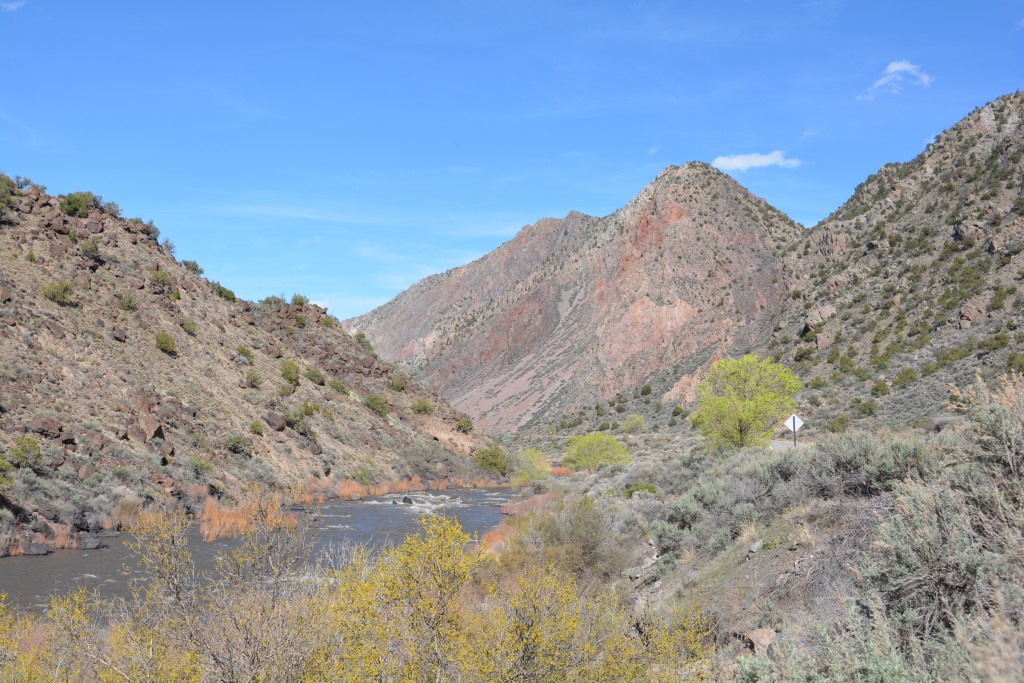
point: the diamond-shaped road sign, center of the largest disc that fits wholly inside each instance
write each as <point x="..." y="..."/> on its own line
<point x="794" y="423"/>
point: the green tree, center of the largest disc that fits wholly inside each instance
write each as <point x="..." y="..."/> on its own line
<point x="634" y="423"/>
<point x="740" y="400"/>
<point x="591" y="451"/>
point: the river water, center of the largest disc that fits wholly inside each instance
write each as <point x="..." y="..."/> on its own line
<point x="377" y="522"/>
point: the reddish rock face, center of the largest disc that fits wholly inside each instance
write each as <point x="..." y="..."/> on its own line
<point x="573" y="310"/>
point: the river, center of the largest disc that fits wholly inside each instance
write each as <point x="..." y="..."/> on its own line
<point x="376" y="521"/>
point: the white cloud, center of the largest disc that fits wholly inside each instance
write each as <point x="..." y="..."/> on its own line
<point x="651" y="151"/>
<point x="1019" y="25"/>
<point x="810" y="133"/>
<point x="743" y="162"/>
<point x="12" y="6"/>
<point x="896" y="75"/>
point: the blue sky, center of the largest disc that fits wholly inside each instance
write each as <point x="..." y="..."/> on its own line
<point x="345" y="150"/>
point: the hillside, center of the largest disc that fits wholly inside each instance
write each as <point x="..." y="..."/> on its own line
<point x="85" y="305"/>
<point x="912" y="284"/>
<point x="572" y="310"/>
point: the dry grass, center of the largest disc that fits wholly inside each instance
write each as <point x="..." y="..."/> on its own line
<point x="218" y="521"/>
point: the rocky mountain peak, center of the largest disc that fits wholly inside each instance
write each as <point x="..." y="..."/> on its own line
<point x="572" y="309"/>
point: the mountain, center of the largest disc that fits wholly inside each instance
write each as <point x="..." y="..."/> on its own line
<point x="138" y="379"/>
<point x="910" y="285"/>
<point x="572" y="310"/>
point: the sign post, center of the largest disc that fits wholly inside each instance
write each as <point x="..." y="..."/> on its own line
<point x="794" y="423"/>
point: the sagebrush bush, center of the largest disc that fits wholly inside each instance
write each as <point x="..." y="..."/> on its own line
<point x="192" y="267"/>
<point x="397" y="384"/>
<point x="316" y="376"/>
<point x="422" y="406"/>
<point x="337" y="385"/>
<point x="464" y="425"/>
<point x="377" y="404"/>
<point x="129" y="302"/>
<point x="245" y="352"/>
<point x="165" y="342"/>
<point x="189" y="326"/>
<point x="60" y="292"/>
<point x="240" y="445"/>
<point x="290" y="372"/>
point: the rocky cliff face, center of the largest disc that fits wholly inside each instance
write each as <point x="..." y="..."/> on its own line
<point x="572" y="310"/>
<point x="82" y="304"/>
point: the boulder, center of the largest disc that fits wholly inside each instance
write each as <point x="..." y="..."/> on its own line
<point x="46" y="426"/>
<point x="119" y="335"/>
<point x="275" y="420"/>
<point x="36" y="549"/>
<point x="151" y="427"/>
<point x="760" y="639"/>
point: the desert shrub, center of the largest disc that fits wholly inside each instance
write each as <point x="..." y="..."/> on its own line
<point x="327" y="321"/>
<point x="634" y="423"/>
<point x="645" y="390"/>
<point x="290" y="372"/>
<point x="880" y="388"/>
<point x="256" y="427"/>
<point x="245" y="352"/>
<point x="223" y="292"/>
<point x="161" y="279"/>
<point x="595" y="450"/>
<point x="165" y="342"/>
<point x="905" y="378"/>
<point x="1015" y="362"/>
<point x="863" y="408"/>
<point x="337" y="385"/>
<point x="272" y="301"/>
<point x="253" y="379"/>
<point x="377" y="404"/>
<point x="464" y="425"/>
<point x="25" y="453"/>
<point x="397" y="384"/>
<point x="640" y="486"/>
<point x="316" y="376"/>
<point x="78" y="204"/>
<point x="492" y="459"/>
<point x="199" y="467"/>
<point x="300" y="321"/>
<point x="240" y="445"/>
<point x="299" y="300"/>
<point x="129" y="302"/>
<point x="30" y="256"/>
<point x="818" y="383"/>
<point x="60" y="292"/>
<point x="192" y="267"/>
<point x="422" y="406"/>
<point x="863" y="464"/>
<point x="838" y="424"/>
<point x="189" y="326"/>
<point x="363" y="341"/>
<point x="90" y="248"/>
